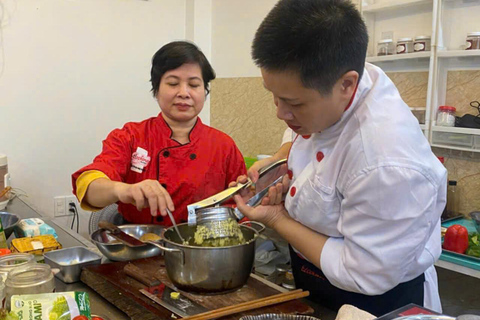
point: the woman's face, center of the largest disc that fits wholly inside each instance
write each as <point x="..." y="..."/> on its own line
<point x="181" y="93"/>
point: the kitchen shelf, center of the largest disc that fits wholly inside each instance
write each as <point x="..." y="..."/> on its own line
<point x="458" y="53"/>
<point x="396" y="57"/>
<point x="457" y="130"/>
<point x="454" y="148"/>
<point x="392" y="5"/>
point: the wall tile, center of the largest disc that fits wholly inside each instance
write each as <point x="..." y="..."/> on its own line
<point x="462" y="88"/>
<point x="412" y="87"/>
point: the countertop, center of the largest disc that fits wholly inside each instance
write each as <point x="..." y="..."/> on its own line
<point x="99" y="305"/>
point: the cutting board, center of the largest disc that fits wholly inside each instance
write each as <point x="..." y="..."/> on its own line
<point x="111" y="282"/>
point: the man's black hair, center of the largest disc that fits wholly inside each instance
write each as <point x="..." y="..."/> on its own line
<point x="173" y="55"/>
<point x="320" y="40"/>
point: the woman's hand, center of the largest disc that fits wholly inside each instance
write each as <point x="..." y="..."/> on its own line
<point x="147" y="193"/>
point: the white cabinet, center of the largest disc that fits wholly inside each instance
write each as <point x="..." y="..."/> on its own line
<point x="448" y="22"/>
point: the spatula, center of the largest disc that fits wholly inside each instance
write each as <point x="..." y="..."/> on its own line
<point x="118" y="234"/>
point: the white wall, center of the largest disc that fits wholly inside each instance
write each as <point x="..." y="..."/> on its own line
<point x="71" y="72"/>
<point x="234" y="23"/>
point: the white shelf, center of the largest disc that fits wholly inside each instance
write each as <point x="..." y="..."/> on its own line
<point x="458" y="53"/>
<point x="392" y="5"/>
<point x="397" y="57"/>
<point x="457" y="130"/>
<point x="454" y="148"/>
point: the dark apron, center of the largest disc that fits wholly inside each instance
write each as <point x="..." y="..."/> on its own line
<point x="309" y="277"/>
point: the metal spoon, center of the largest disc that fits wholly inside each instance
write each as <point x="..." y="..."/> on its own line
<point x="175" y="225"/>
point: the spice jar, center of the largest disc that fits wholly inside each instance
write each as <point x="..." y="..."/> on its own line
<point x="36" y="278"/>
<point x="446" y="116"/>
<point x="385" y="47"/>
<point x="15" y="261"/>
<point x="422" y="43"/>
<point x="473" y="41"/>
<point x="404" y="45"/>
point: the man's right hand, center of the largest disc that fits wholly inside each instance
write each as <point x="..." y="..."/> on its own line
<point x="147" y="193"/>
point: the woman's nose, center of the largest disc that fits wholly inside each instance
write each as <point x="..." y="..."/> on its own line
<point x="183" y="91"/>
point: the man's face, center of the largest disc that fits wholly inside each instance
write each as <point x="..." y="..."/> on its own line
<point x="304" y="110"/>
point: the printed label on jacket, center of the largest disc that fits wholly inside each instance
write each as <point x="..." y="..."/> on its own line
<point x="140" y="160"/>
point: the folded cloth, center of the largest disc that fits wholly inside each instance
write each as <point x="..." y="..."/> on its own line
<point x="349" y="312"/>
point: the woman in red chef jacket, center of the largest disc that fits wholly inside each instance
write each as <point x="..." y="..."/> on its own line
<point x="168" y="161"/>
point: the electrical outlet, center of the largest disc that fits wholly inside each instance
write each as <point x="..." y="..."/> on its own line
<point x="59" y="206"/>
<point x="71" y="199"/>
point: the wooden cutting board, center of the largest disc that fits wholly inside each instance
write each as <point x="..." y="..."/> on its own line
<point x="111" y="282"/>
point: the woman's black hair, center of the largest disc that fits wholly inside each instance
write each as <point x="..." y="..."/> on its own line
<point x="320" y="40"/>
<point x="173" y="55"/>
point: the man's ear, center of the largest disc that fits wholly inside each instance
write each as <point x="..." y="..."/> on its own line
<point x="349" y="82"/>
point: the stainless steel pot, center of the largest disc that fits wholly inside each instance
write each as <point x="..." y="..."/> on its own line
<point x="206" y="269"/>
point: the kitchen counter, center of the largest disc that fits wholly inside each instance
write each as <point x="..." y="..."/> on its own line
<point x="99" y="305"/>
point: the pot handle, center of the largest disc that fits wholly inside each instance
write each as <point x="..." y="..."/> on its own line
<point x="259" y="224"/>
<point x="156" y="244"/>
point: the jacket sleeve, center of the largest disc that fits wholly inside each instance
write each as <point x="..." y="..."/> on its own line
<point x="115" y="158"/>
<point x="387" y="216"/>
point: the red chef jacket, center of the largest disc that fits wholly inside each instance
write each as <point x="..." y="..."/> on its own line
<point x="189" y="172"/>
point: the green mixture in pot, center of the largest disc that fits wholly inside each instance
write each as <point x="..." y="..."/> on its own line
<point x="207" y="236"/>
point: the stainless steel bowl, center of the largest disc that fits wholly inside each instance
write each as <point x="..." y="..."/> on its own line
<point x="9" y="222"/>
<point x="475" y="215"/>
<point x="115" y="251"/>
<point x="70" y="261"/>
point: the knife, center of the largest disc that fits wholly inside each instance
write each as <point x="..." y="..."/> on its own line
<point x="118" y="234"/>
<point x="181" y="306"/>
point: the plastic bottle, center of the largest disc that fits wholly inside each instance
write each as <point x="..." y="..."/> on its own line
<point x="452" y="199"/>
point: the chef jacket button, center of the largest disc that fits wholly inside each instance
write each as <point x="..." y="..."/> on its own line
<point x="193" y="156"/>
<point x="159" y="218"/>
<point x="290" y="174"/>
<point x="166" y="153"/>
<point x="320" y="156"/>
<point x="293" y="190"/>
<point x="164" y="185"/>
<point x="306" y="136"/>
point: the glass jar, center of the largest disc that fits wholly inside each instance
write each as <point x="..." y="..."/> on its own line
<point x="385" y="47"/>
<point x="14" y="261"/>
<point x="36" y="278"/>
<point x="404" y="45"/>
<point x="473" y="41"/>
<point x="422" y="43"/>
<point x="446" y="116"/>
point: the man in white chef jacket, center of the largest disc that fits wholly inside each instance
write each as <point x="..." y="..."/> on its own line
<point x="365" y="193"/>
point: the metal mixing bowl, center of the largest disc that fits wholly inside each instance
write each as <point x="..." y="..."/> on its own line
<point x="9" y="221"/>
<point x="115" y="251"/>
<point x="475" y="215"/>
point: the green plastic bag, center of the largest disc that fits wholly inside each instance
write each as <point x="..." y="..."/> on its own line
<point x="51" y="306"/>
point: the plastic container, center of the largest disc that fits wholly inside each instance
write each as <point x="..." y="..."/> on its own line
<point x="473" y="41"/>
<point x="452" y="139"/>
<point x="419" y="113"/>
<point x="404" y="45"/>
<point x="446" y="116"/>
<point x="70" y="261"/>
<point x="36" y="278"/>
<point x="422" y="43"/>
<point x="385" y="47"/>
<point x="15" y="261"/>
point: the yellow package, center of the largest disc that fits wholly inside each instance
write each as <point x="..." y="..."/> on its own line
<point x="37" y="245"/>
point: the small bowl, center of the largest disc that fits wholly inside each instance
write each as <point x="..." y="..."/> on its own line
<point x="278" y="316"/>
<point x="475" y="215"/>
<point x="9" y="222"/>
<point x="117" y="251"/>
<point x="70" y="261"/>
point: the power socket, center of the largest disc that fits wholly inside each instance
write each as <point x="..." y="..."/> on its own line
<point x="62" y="205"/>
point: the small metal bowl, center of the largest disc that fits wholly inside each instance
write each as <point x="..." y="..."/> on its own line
<point x="278" y="316"/>
<point x="117" y="251"/>
<point x="475" y="215"/>
<point x="70" y="261"/>
<point x="9" y="222"/>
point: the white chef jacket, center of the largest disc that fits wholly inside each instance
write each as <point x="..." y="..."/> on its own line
<point x="372" y="184"/>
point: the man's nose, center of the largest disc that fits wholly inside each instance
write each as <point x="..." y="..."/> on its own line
<point x="283" y="112"/>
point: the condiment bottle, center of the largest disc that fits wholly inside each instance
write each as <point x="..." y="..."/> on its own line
<point x="446" y="116"/>
<point x="452" y="199"/>
<point x="422" y="43"/>
<point x="404" y="45"/>
<point x="473" y="41"/>
<point x="3" y="239"/>
<point x="36" y="278"/>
